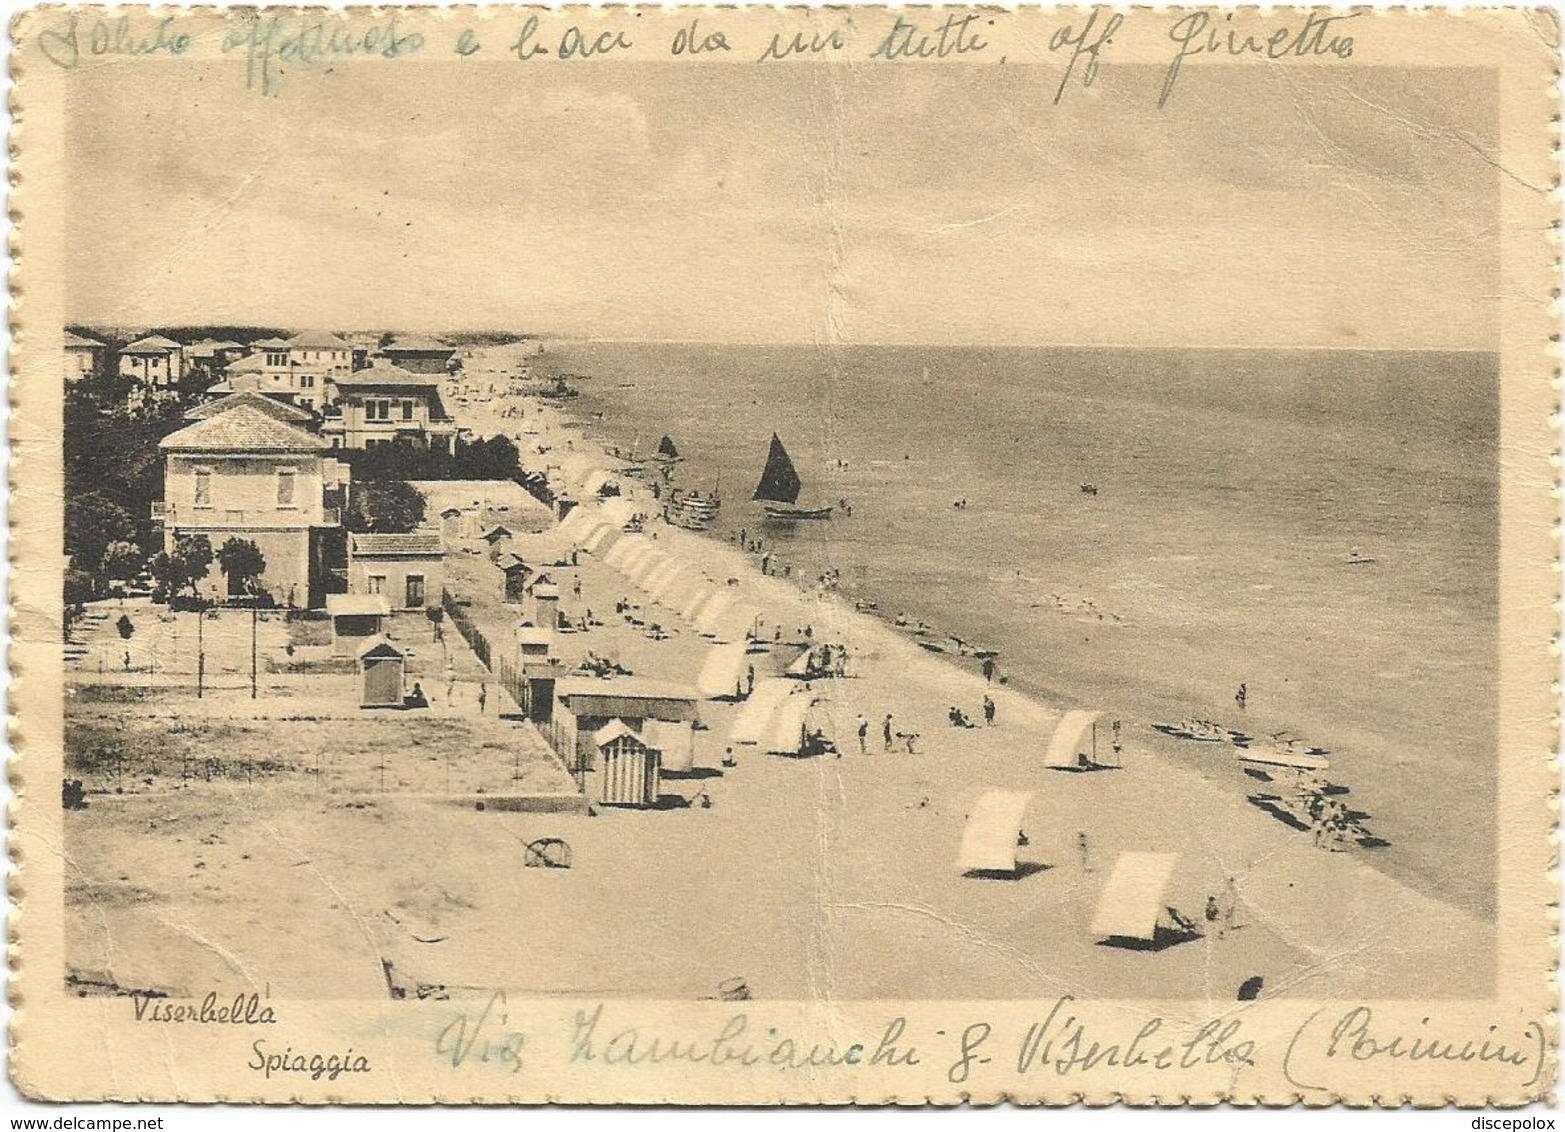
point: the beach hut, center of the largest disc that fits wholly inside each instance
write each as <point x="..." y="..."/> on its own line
<point x="582" y="705"/>
<point x="451" y="523"/>
<point x="754" y="718"/>
<point x="723" y="672"/>
<point x="381" y="668"/>
<point x="516" y="573"/>
<point x="1133" y="900"/>
<point x="499" y="539"/>
<point x="628" y="766"/>
<point x="676" y="739"/>
<point x="1074" y="743"/>
<point x="355" y="618"/>
<point x="789" y="727"/>
<point x="990" y="837"/>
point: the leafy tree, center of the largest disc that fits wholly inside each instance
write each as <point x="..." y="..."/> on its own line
<point x="121" y="561"/>
<point x="93" y="523"/>
<point x="185" y="566"/>
<point x="384" y="507"/>
<point x="242" y="561"/>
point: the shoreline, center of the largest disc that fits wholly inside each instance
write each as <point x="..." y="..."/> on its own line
<point x="877" y="645"/>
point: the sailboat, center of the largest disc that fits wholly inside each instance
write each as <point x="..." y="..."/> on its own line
<point x="778" y="490"/>
<point x="667" y="452"/>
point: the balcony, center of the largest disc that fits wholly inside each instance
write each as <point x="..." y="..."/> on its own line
<point x="225" y="517"/>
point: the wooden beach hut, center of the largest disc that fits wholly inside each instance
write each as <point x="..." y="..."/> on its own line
<point x="582" y="705"/>
<point x="992" y="832"/>
<point x="1134" y="900"/>
<point x="499" y="539"/>
<point x="355" y="618"/>
<point x="381" y="669"/>
<point x="1074" y="744"/>
<point x="629" y="767"/>
<point x="517" y="573"/>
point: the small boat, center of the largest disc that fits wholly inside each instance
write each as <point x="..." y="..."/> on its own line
<point x="667" y="452"/>
<point x="1354" y="558"/>
<point x="778" y="491"/>
<point x="692" y="510"/>
<point x="1279" y="754"/>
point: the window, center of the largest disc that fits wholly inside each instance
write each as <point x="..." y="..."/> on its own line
<point x="273" y="359"/>
<point x="407" y="410"/>
<point x="415" y="591"/>
<point x="377" y="410"/>
<point x="306" y="381"/>
<point x="375" y="583"/>
<point x="203" y="487"/>
<point x="285" y="485"/>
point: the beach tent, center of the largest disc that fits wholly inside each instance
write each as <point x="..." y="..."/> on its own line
<point x="573" y="522"/>
<point x="1075" y="740"/>
<point x="723" y="671"/>
<point x="594" y="482"/>
<point x="989" y="838"/>
<point x="785" y="730"/>
<point x="755" y="717"/>
<point x="665" y="586"/>
<point x="620" y="550"/>
<point x="1133" y="898"/>
<point x="711" y="616"/>
<point x="600" y="539"/>
<point x="620" y="510"/>
<point x="645" y="566"/>
<point x="736" y="623"/>
<point x="676" y="739"/>
<point x="695" y="602"/>
<point x="1279" y="755"/>
<point x="641" y="547"/>
<point x="664" y="569"/>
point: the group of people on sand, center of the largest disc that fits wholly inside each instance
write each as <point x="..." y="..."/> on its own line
<point x="958" y="717"/>
<point x="1329" y="821"/>
<point x="826" y="661"/>
<point x="889" y="736"/>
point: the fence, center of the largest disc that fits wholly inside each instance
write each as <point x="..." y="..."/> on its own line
<point x="471" y="633"/>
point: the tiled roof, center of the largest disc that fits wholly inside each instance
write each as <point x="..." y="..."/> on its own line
<point x="384" y="375"/>
<point x="270" y="344"/>
<point x="245" y="429"/>
<point x="318" y="340"/>
<point x="156" y="344"/>
<point x="250" y="363"/>
<point x="268" y="405"/>
<point x="76" y="341"/>
<point x="378" y="545"/>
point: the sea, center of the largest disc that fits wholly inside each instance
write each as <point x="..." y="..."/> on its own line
<point x="1317" y="526"/>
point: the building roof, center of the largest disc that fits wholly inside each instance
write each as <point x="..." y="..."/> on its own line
<point x="385" y="375"/>
<point x="617" y="729"/>
<point x="243" y="429"/>
<point x="279" y="410"/>
<point x="510" y="563"/>
<point x="357" y="605"/>
<point x="78" y="342"/>
<point x="624" y="687"/>
<point x="378" y="646"/>
<point x="413" y="345"/>
<point x="250" y="363"/>
<point x="155" y="344"/>
<point x="496" y="533"/>
<point x="376" y="546"/>
<point x="318" y="340"/>
<point x="270" y="344"/>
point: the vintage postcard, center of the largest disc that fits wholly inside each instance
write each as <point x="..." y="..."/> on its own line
<point x="784" y="556"/>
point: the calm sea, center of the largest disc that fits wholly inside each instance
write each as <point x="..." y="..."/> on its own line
<point x="1232" y="488"/>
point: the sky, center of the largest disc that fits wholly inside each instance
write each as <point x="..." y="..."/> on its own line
<point x="1264" y="206"/>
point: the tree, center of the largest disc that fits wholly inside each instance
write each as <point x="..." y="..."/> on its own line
<point x="94" y="522"/>
<point x="244" y="564"/>
<point x="184" y="566"/>
<point x="387" y="507"/>
<point x="121" y="561"/>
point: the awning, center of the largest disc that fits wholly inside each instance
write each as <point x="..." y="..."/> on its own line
<point x="570" y="524"/>
<point x="1073" y="737"/>
<point x="357" y="605"/>
<point x="989" y="838"/>
<point x="750" y="726"/>
<point x="1133" y="899"/>
<point x="723" y="671"/>
<point x="675" y="740"/>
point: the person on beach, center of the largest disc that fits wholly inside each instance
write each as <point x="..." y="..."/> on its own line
<point x="863" y="735"/>
<point x="749" y="681"/>
<point x="886" y="732"/>
<point x="450" y="684"/>
<point x="1081" y="848"/>
<point x="988" y="669"/>
<point x="1242" y="696"/>
<point x="988" y="712"/>
<point x="766" y="564"/>
<point x="576" y="586"/>
<point x="483" y="697"/>
<point x="1212" y="913"/>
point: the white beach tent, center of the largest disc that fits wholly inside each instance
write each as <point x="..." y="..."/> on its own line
<point x="1133" y="898"/>
<point x="601" y="539"/>
<point x="723" y="671"/>
<point x="1074" y="741"/>
<point x="711" y="617"/>
<point x="637" y="548"/>
<point x="734" y="624"/>
<point x="989" y="838"/>
<point x="675" y="739"/>
<point x="687" y="583"/>
<point x="570" y="524"/>
<point x="619" y="510"/>
<point x="596" y="480"/>
<point x="616" y="554"/>
<point x="645" y="566"/>
<point x="755" y="717"/>
<point x="663" y="590"/>
<point x="697" y="601"/>
<point x="785" y="731"/>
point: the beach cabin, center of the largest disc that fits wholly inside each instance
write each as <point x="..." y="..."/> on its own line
<point x="451" y="524"/>
<point x="355" y="618"/>
<point x="676" y="739"/>
<point x="583" y="704"/>
<point x="1074" y="744"/>
<point x="499" y="539"/>
<point x="992" y="834"/>
<point x="724" y="672"/>
<point x="546" y="604"/>
<point x="381" y="670"/>
<point x="517" y="574"/>
<point x="1133" y="906"/>
<point x="628" y="766"/>
<point x="751" y="725"/>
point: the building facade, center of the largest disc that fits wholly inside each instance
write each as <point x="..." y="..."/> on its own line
<point x="244" y="474"/>
<point x="407" y="570"/>
<point x="155" y="362"/>
<point x="419" y="355"/>
<point x="386" y="404"/>
<point x="81" y="356"/>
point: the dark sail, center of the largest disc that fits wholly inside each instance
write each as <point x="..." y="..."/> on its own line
<point x="779" y="482"/>
<point x="666" y="448"/>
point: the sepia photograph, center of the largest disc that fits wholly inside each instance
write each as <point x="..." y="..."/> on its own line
<point x="980" y="524"/>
